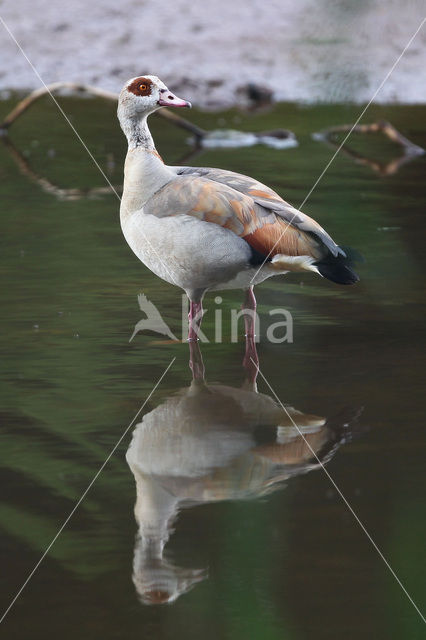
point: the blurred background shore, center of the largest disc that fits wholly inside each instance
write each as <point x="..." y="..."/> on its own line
<point x="305" y="51"/>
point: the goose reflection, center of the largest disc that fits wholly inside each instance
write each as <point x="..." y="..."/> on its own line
<point x="211" y="442"/>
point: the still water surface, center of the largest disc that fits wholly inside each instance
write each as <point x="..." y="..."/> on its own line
<point x="236" y="523"/>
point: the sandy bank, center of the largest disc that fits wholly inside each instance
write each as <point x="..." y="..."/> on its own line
<point x="306" y="50"/>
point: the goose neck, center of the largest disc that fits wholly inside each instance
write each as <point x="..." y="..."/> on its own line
<point x="138" y="134"/>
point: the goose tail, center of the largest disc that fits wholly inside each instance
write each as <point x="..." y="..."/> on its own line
<point x="339" y="268"/>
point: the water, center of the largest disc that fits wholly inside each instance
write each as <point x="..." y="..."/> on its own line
<point x="258" y="542"/>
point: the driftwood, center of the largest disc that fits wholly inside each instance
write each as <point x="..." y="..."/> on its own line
<point x="29" y="100"/>
<point x="327" y="135"/>
<point x="410" y="150"/>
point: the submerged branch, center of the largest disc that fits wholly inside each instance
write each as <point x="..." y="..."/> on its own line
<point x="49" y="187"/>
<point x="410" y="150"/>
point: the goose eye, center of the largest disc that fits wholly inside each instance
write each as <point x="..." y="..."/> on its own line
<point x="143" y="87"/>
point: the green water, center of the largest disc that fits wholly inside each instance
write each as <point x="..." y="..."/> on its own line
<point x="279" y="553"/>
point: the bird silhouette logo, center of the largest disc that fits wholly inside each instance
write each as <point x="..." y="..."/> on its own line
<point x="153" y="320"/>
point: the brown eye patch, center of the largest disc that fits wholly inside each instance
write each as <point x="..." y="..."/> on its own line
<point x="140" y="87"/>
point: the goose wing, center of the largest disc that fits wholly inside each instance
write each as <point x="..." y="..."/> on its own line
<point x="267" y="198"/>
<point x="258" y="215"/>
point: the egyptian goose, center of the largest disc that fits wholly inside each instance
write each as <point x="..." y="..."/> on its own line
<point x="207" y="229"/>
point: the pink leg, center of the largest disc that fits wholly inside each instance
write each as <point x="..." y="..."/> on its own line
<point x="251" y="359"/>
<point x="196" y="363"/>
<point x="249" y="305"/>
<point x="195" y="316"/>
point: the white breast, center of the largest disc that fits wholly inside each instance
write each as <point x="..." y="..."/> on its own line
<point x="185" y="251"/>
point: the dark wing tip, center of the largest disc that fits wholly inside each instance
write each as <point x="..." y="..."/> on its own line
<point x="337" y="271"/>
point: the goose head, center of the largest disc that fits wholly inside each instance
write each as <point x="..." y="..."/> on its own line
<point x="142" y="95"/>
